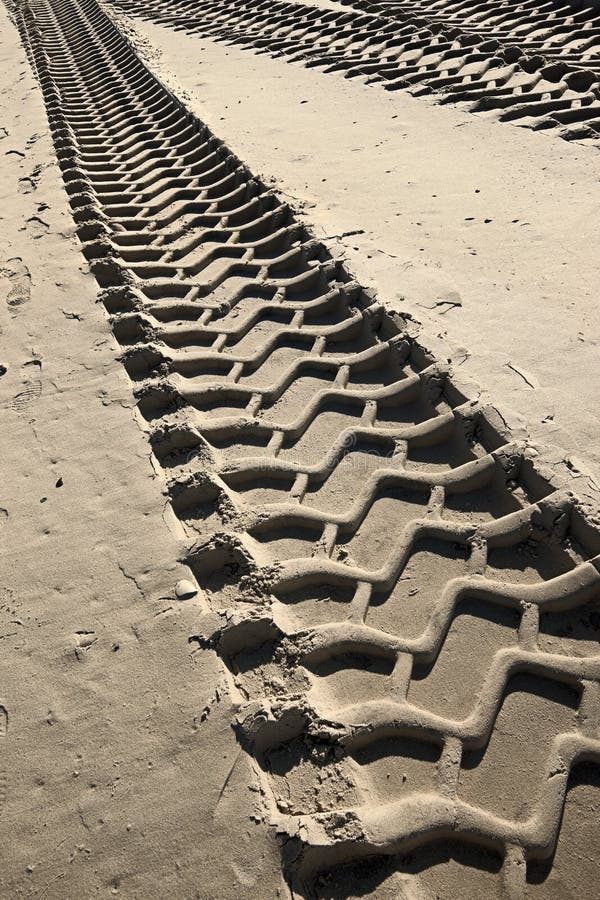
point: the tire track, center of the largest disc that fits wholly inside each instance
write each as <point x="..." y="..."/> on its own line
<point x="407" y="609"/>
<point x="535" y="65"/>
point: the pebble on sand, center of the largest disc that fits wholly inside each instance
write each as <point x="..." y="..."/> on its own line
<point x="185" y="589"/>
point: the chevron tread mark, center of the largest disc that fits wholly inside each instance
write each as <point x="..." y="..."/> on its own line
<point x="407" y="609"/>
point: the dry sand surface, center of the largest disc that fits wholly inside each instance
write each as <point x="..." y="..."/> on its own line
<point x="300" y="535"/>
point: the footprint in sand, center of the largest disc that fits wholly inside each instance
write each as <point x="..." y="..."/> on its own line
<point x="31" y="386"/>
<point x="19" y="278"/>
<point x="36" y="227"/>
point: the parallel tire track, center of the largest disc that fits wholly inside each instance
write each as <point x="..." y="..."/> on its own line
<point x="532" y="64"/>
<point x="407" y="609"/>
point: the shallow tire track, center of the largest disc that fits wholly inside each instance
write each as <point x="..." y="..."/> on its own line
<point x="402" y="601"/>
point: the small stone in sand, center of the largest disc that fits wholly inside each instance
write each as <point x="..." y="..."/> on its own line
<point x="185" y="589"/>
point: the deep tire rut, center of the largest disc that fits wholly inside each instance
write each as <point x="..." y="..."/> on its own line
<point x="532" y="64"/>
<point x="407" y="608"/>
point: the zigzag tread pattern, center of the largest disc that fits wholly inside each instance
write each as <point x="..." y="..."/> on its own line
<point x="534" y="64"/>
<point x="407" y="610"/>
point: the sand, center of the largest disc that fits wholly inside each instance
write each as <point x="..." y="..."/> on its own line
<point x="483" y="233"/>
<point x="120" y="769"/>
<point x="298" y="596"/>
